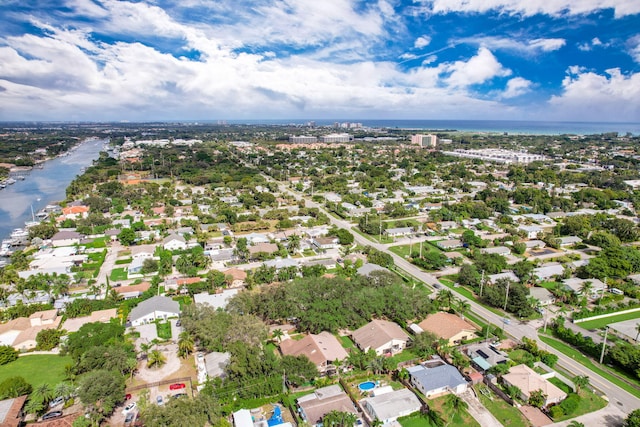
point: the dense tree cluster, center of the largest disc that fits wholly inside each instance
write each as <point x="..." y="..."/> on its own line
<point x="321" y="304"/>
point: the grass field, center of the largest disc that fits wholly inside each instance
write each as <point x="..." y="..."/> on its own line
<point x="588" y="363"/>
<point x="118" y="274"/>
<point x="164" y="330"/>
<point x="601" y="323"/>
<point x="37" y="369"/>
<point x="404" y="250"/>
<point x="589" y="402"/>
<point x="460" y="419"/>
<point x="346" y="342"/>
<point x="505" y="413"/>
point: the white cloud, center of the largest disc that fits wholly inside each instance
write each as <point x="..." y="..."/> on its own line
<point x="589" y="45"/>
<point x="528" y="47"/>
<point x="516" y="86"/>
<point x="611" y="97"/>
<point x="534" y="7"/>
<point x="422" y="41"/>
<point x="634" y="47"/>
<point x="429" y="59"/>
<point x="479" y="69"/>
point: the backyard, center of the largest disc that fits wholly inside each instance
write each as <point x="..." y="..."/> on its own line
<point x="601" y="323"/>
<point x="37" y="369"/>
<point x="508" y="415"/>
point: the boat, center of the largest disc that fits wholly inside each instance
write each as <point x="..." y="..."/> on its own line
<point x="5" y="249"/>
<point x="10" y="181"/>
<point x="20" y="177"/>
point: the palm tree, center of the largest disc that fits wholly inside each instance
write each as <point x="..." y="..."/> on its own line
<point x="445" y="295"/>
<point x="64" y="390"/>
<point x="185" y="344"/>
<point x="586" y="288"/>
<point x="513" y="391"/>
<point x="156" y="358"/>
<point x="580" y="382"/>
<point x="462" y="307"/>
<point x="575" y="423"/>
<point x="456" y="404"/>
<point x="277" y="334"/>
<point x="435" y="418"/>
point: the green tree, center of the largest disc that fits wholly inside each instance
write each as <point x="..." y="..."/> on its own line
<point x="633" y="419"/>
<point x="156" y="359"/>
<point x="101" y="391"/>
<point x="14" y="387"/>
<point x="537" y="398"/>
<point x="127" y="236"/>
<point x="48" y="339"/>
<point x="299" y="369"/>
<point x="7" y="354"/>
<point x="455" y="404"/>
<point x="185" y="344"/>
<point x="581" y="381"/>
<point x="339" y="419"/>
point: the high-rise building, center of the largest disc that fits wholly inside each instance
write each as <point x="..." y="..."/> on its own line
<point x="425" y="141"/>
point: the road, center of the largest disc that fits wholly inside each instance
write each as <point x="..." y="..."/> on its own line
<point x="621" y="402"/>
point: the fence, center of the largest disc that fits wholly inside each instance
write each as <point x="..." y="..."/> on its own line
<point x="159" y="383"/>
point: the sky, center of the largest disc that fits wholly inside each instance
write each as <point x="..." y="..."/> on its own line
<point x="118" y="60"/>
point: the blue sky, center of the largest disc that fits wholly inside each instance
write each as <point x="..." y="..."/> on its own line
<point x="564" y="60"/>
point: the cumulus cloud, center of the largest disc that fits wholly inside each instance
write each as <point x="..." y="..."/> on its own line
<point x="422" y="41"/>
<point x="479" y="69"/>
<point x="634" y="48"/>
<point x="527" y="47"/>
<point x="534" y="7"/>
<point x="517" y="86"/>
<point x="610" y="97"/>
<point x="591" y="44"/>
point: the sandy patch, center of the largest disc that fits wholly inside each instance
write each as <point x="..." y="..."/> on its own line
<point x="170" y="352"/>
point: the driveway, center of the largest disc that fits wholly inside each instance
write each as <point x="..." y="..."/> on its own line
<point x="478" y="411"/>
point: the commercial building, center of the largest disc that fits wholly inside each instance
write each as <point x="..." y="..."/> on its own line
<point x="497" y="155"/>
<point x="425" y="141"/>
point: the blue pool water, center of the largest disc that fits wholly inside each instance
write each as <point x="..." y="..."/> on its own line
<point x="367" y="386"/>
<point x="276" y="418"/>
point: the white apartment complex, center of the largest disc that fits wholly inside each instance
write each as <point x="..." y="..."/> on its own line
<point x="497" y="155"/>
<point x="425" y="141"/>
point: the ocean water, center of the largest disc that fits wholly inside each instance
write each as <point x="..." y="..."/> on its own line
<point x="492" y="126"/>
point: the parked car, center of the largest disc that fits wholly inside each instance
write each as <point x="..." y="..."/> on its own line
<point x="131" y="416"/>
<point x="130" y="407"/>
<point x="179" y="395"/>
<point x="177" y="386"/>
<point x="57" y="401"/>
<point x="159" y="401"/>
<point x="51" y="415"/>
<point x="127" y="396"/>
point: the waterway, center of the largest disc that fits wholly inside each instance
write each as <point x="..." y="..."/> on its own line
<point x="44" y="186"/>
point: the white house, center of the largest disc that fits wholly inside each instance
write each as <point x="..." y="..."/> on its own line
<point x="437" y="377"/>
<point x="383" y="336"/>
<point x="532" y="231"/>
<point x="388" y="407"/>
<point x="174" y="242"/>
<point x="157" y="307"/>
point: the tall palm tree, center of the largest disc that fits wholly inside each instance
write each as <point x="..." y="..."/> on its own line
<point x="580" y="382"/>
<point x="185" y="344"/>
<point x="277" y="334"/>
<point x="462" y="307"/>
<point x="586" y="288"/>
<point x="456" y="404"/>
<point x="42" y="393"/>
<point x="444" y="297"/>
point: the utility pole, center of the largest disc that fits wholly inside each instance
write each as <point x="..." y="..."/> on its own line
<point x="481" y="283"/>
<point x="604" y="343"/>
<point x="506" y="297"/>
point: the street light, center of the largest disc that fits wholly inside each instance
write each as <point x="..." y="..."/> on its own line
<point x="506" y="296"/>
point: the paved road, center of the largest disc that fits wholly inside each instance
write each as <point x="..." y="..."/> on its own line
<point x="622" y="402"/>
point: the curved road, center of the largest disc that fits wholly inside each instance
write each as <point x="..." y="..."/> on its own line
<point x="621" y="402"/>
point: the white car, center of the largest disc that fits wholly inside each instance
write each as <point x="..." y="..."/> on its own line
<point x="130" y="407"/>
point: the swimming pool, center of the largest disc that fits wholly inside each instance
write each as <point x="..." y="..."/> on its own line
<point x="367" y="386"/>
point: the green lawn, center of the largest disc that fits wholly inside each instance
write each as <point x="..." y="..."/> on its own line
<point x="589" y="402"/>
<point x="183" y="301"/>
<point x="164" y="330"/>
<point x="588" y="363"/>
<point x="404" y="356"/>
<point x="37" y="369"/>
<point x="346" y="342"/>
<point x="415" y="420"/>
<point x="118" y="274"/>
<point x="505" y="413"/>
<point x="404" y="250"/>
<point x="560" y="384"/>
<point x="97" y="243"/>
<point x="601" y="323"/>
<point x="123" y="261"/>
<point x="460" y="419"/>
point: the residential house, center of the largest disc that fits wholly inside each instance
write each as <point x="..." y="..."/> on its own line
<point x="66" y="238"/>
<point x="75" y="212"/>
<point x="174" y="242"/>
<point x="369" y="268"/>
<point x="266" y="248"/>
<point x="102" y="316"/>
<point x="575" y="284"/>
<point x="256" y="238"/>
<point x="383" y="336"/>
<point x="215" y="364"/>
<point x="449" y="244"/>
<point x="543" y="296"/>
<point x="436" y="377"/>
<point x="11" y="413"/>
<point x="447" y="225"/>
<point x="534" y="244"/>
<point x="217" y="300"/>
<point x="528" y="381"/>
<point x="155" y="308"/>
<point x="531" y="231"/>
<point x="237" y="277"/>
<point x="21" y="333"/>
<point x="548" y="271"/>
<point x="484" y="356"/>
<point x="324" y="243"/>
<point x="322" y="350"/>
<point x="399" y="231"/>
<point x="509" y="275"/>
<point x="448" y="326"/>
<point x="498" y="250"/>
<point x="569" y="241"/>
<point x="314" y="406"/>
<point x="132" y="291"/>
<point x="388" y="407"/>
